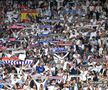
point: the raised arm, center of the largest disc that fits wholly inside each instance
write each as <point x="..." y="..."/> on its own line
<point x="58" y="56"/>
<point x="34" y="67"/>
<point x="37" y="63"/>
<point x="65" y="55"/>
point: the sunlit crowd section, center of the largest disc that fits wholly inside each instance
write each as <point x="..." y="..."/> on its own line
<point x="53" y="44"/>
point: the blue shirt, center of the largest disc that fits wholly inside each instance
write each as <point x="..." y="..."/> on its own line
<point x="40" y="69"/>
<point x="1" y="85"/>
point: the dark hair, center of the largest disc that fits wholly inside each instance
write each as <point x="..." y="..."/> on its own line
<point x="32" y="83"/>
<point x="17" y="84"/>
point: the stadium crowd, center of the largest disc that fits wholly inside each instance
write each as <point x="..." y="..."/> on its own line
<point x="66" y="40"/>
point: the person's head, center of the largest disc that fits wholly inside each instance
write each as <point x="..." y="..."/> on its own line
<point x="40" y="80"/>
<point x="13" y="71"/>
<point x="84" y="57"/>
<point x="17" y="85"/>
<point x="10" y="52"/>
<point x="53" y="82"/>
<point x="29" y="77"/>
<point x="60" y="70"/>
<point x="35" y="87"/>
<point x="73" y="80"/>
<point x="26" y="83"/>
<point x="67" y="82"/>
<point x="41" y="64"/>
<point x="88" y="88"/>
<point x="6" y="70"/>
<point x="90" y="60"/>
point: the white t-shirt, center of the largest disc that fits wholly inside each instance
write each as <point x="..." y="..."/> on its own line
<point x="76" y="87"/>
<point x="26" y="87"/>
<point x="91" y="8"/>
<point x="65" y="65"/>
<point x="93" y="22"/>
<point x="9" y="15"/>
<point x="100" y="51"/>
<point x="47" y="68"/>
<point x="83" y="75"/>
<point x="52" y="88"/>
<point x="46" y="51"/>
<point x="93" y="34"/>
<point x="65" y="89"/>
<point x="38" y="85"/>
<point x="87" y="3"/>
<point x="76" y="56"/>
<point x="53" y="69"/>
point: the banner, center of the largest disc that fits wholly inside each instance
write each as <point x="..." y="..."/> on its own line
<point x="50" y="35"/>
<point x="52" y="21"/>
<point x="24" y="15"/>
<point x="44" y="77"/>
<point x="12" y="39"/>
<point x="64" y="43"/>
<point x="12" y="62"/>
<point x="11" y="58"/>
<point x="58" y="49"/>
<point x="2" y="48"/>
<point x="43" y="35"/>
<point x="45" y="26"/>
<point x="19" y="51"/>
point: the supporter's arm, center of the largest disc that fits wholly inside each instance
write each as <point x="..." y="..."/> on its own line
<point x="65" y="55"/>
<point x="42" y="82"/>
<point x="7" y="88"/>
<point x="45" y="81"/>
<point x="35" y="82"/>
<point x="36" y="64"/>
<point x="60" y="56"/>
<point x="15" y="87"/>
<point x="65" y="65"/>
<point x="57" y="55"/>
